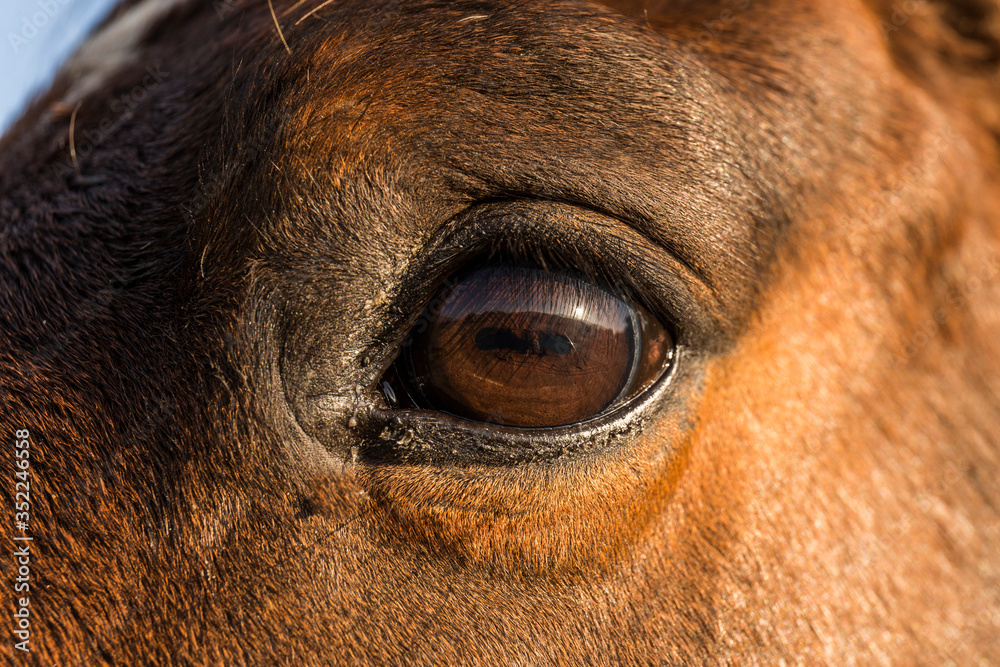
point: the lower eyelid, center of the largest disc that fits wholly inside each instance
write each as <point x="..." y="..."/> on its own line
<point x="420" y="436"/>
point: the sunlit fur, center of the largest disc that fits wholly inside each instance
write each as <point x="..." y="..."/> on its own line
<point x="823" y="491"/>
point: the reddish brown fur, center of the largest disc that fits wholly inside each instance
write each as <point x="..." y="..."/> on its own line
<point x="821" y="488"/>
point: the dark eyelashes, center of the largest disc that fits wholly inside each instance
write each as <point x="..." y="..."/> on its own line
<point x="579" y="259"/>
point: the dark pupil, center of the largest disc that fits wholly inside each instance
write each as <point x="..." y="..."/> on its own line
<point x="523" y="347"/>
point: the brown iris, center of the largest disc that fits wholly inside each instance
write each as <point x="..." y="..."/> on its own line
<point x="527" y="347"/>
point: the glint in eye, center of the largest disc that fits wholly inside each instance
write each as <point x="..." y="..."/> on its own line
<point x="529" y="348"/>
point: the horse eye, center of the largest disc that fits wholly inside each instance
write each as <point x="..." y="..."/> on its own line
<point x="528" y="348"/>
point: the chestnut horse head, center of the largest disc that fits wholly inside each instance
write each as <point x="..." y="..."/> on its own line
<point x="507" y="332"/>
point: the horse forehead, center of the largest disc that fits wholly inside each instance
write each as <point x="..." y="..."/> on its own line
<point x="566" y="100"/>
<point x="450" y="99"/>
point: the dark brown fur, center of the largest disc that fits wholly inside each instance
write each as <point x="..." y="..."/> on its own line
<point x="811" y="186"/>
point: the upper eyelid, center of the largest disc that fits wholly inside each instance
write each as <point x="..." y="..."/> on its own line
<point x="677" y="291"/>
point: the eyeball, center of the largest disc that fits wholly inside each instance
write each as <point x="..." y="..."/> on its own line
<point x="527" y="347"/>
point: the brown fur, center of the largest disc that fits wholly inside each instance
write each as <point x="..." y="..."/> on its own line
<point x="813" y="187"/>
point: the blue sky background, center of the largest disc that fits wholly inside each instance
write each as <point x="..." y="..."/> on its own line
<point x="50" y="30"/>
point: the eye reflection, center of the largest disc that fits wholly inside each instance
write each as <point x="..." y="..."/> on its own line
<point x="530" y="348"/>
